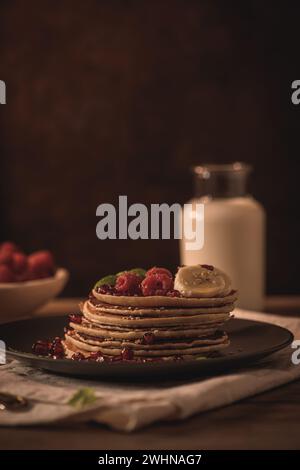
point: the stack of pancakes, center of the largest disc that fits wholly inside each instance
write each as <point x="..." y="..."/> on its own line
<point x="150" y="327"/>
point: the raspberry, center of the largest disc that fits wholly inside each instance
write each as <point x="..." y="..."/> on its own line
<point x="128" y="283"/>
<point x="41" y="265"/>
<point x="156" y="270"/>
<point x="8" y="247"/>
<point x="33" y="273"/>
<point x="27" y="275"/>
<point x="6" y="258"/>
<point x="19" y="263"/>
<point x="157" y="284"/>
<point x="6" y="274"/>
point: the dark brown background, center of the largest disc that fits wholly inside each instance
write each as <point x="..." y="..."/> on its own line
<point x="107" y="98"/>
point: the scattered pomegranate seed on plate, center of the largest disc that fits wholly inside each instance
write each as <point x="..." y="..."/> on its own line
<point x="75" y="318"/>
<point x="78" y="356"/>
<point x="127" y="354"/>
<point x="41" y="347"/>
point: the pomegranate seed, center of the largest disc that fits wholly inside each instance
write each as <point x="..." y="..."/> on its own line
<point x="106" y="289"/>
<point x="56" y="340"/>
<point x="78" y="356"/>
<point x="75" y="318"/>
<point x="96" y="356"/>
<point x="177" y="358"/>
<point x="173" y="293"/>
<point x="208" y="266"/>
<point x="148" y="338"/>
<point x="110" y="359"/>
<point x="57" y="351"/>
<point x="152" y="359"/>
<point x="127" y="354"/>
<point x="41" y="347"/>
<point x="116" y="358"/>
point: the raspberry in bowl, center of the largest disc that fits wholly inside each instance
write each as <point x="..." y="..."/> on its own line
<point x="27" y="281"/>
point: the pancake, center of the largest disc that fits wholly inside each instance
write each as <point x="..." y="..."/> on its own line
<point x="74" y="344"/>
<point x="164" y="301"/>
<point x="159" y="344"/>
<point x="156" y="312"/>
<point x="180" y="327"/>
<point x="135" y="322"/>
<point x="70" y="350"/>
<point x="107" y="332"/>
<point x="94" y="306"/>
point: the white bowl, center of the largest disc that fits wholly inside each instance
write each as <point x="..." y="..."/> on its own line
<point x="19" y="299"/>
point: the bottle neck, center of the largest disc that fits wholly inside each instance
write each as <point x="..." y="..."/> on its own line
<point x="221" y="181"/>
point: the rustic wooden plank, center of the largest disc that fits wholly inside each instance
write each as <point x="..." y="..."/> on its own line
<point x="240" y="426"/>
<point x="284" y="305"/>
<point x="288" y="394"/>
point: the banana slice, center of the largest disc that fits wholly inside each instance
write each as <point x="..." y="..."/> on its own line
<point x="202" y="281"/>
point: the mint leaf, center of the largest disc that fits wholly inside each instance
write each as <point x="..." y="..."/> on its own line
<point x="139" y="271"/>
<point x="83" y="397"/>
<point x="109" y="280"/>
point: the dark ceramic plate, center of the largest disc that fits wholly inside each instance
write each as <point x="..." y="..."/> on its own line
<point x="250" y="341"/>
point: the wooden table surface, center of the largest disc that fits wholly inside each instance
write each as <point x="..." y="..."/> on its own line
<point x="267" y="421"/>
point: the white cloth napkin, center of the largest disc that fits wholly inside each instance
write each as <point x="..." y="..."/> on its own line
<point x="126" y="407"/>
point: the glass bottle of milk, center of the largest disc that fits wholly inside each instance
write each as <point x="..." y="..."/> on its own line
<point x="234" y="230"/>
